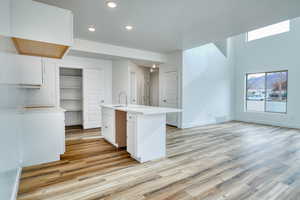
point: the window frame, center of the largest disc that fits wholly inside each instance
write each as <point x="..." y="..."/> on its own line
<point x="265" y="98"/>
<point x="274" y="34"/>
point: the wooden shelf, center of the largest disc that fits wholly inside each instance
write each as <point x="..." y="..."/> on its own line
<point x="70" y="99"/>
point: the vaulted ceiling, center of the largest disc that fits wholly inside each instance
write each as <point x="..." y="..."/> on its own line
<point x="168" y="25"/>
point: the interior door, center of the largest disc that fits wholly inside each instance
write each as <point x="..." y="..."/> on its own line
<point x="133" y="88"/>
<point x="93" y="97"/>
<point x="170" y="95"/>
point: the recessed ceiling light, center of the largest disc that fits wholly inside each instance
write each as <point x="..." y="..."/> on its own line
<point x="111" y="4"/>
<point x="92" y="29"/>
<point x="128" y="27"/>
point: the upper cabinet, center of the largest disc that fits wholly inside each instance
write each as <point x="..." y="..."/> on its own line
<point x="37" y="29"/>
<point x="41" y="22"/>
<point x="31" y="70"/>
<point x="5" y="17"/>
<point x="27" y="71"/>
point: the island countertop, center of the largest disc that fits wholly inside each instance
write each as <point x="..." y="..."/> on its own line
<point x="142" y="109"/>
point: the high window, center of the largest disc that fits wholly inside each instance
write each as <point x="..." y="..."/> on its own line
<point x="267" y="92"/>
<point x="267" y="31"/>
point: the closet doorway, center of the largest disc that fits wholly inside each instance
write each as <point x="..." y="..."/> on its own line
<point x="71" y="95"/>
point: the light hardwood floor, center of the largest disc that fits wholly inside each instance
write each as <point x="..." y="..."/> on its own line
<point x="230" y="161"/>
<point x="76" y="133"/>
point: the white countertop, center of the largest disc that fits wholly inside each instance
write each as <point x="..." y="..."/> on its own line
<point x="144" y="110"/>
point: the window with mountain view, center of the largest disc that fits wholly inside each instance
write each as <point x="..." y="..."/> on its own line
<point x="267" y="92"/>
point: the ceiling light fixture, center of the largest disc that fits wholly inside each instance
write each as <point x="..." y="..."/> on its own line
<point x="111" y="4"/>
<point x="92" y="29"/>
<point x="128" y="27"/>
<point x="154" y="66"/>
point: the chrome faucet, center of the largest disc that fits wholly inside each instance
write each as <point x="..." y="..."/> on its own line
<point x="120" y="95"/>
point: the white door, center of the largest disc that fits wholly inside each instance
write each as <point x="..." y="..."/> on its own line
<point x="170" y="95"/>
<point x="93" y="97"/>
<point x="133" y="88"/>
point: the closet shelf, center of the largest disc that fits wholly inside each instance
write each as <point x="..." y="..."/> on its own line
<point x="73" y="110"/>
<point x="71" y="99"/>
<point x="71" y="87"/>
<point x="71" y="76"/>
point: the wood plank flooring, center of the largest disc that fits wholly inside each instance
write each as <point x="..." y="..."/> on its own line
<point x="76" y="133"/>
<point x="230" y="161"/>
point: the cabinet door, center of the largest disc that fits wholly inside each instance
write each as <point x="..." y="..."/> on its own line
<point x="5" y="17"/>
<point x="46" y="95"/>
<point x="93" y="97"/>
<point x="31" y="70"/>
<point x="131" y="135"/>
<point x="41" y="22"/>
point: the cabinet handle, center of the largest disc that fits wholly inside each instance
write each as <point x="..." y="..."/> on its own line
<point x="165" y="100"/>
<point x="102" y="101"/>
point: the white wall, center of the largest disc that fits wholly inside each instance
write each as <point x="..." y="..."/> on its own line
<point x="207" y="86"/>
<point x="279" y="52"/>
<point x="10" y="126"/>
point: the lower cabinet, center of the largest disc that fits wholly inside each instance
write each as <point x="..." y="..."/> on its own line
<point x="43" y="136"/>
<point x="108" y="125"/>
<point x="131" y="135"/>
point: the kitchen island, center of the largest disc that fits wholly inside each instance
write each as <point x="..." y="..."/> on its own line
<point x="141" y="129"/>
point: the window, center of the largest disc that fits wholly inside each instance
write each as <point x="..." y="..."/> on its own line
<point x="267" y="92"/>
<point x="267" y="31"/>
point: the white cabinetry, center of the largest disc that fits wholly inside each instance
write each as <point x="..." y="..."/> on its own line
<point x="131" y="135"/>
<point x="24" y="70"/>
<point x="146" y="136"/>
<point x="43" y="136"/>
<point x="41" y="22"/>
<point x="31" y="70"/>
<point x="46" y="94"/>
<point x="5" y="17"/>
<point x="108" y="125"/>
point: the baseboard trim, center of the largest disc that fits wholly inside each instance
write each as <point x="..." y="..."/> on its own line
<point x="270" y="123"/>
<point x="16" y="185"/>
<point x="192" y="125"/>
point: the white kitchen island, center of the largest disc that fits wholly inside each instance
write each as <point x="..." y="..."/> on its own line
<point x="142" y="129"/>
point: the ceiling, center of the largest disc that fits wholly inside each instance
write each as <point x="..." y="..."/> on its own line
<point x="169" y="25"/>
